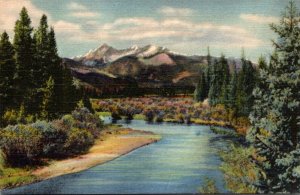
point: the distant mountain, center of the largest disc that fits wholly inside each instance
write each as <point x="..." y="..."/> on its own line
<point x="150" y="68"/>
<point x="107" y="54"/>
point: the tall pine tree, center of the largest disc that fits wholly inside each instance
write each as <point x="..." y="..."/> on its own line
<point x="7" y="72"/>
<point x="275" y="118"/>
<point x="201" y="90"/>
<point x="219" y="81"/>
<point x="225" y="81"/>
<point x="232" y="95"/>
<point x="23" y="56"/>
<point x="246" y="84"/>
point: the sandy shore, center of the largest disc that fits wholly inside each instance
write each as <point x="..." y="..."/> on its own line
<point x="111" y="145"/>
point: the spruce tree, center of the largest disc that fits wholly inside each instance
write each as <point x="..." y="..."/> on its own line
<point x="246" y="84"/>
<point x="275" y="118"/>
<point x="232" y="96"/>
<point x="7" y="72"/>
<point x="23" y="56"/>
<point x="201" y="90"/>
<point x="219" y="81"/>
<point x="48" y="103"/>
<point x="42" y="58"/>
<point x="208" y="69"/>
<point x="225" y="74"/>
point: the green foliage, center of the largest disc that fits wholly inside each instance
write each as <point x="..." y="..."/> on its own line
<point x="20" y="144"/>
<point x="7" y="71"/>
<point x="201" y="91"/>
<point x="27" y="66"/>
<point x="222" y="131"/>
<point x="239" y="171"/>
<point x="71" y="135"/>
<point x="48" y="103"/>
<point x="219" y="82"/>
<point x="275" y="118"/>
<point x="23" y="56"/>
<point x="53" y="138"/>
<point x="78" y="141"/>
<point x="209" y="187"/>
<point x="232" y="92"/>
<point x="84" y="119"/>
<point x="245" y="86"/>
<point x="13" y="117"/>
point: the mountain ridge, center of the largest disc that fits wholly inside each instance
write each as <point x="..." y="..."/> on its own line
<point x="149" y="67"/>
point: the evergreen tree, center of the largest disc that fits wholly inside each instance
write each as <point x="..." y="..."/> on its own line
<point x="42" y="57"/>
<point x="7" y="71"/>
<point x="23" y="56"/>
<point x="275" y="118"/>
<point x="225" y="81"/>
<point x="219" y="81"/>
<point x="232" y="96"/>
<point x="71" y="94"/>
<point x="246" y="84"/>
<point x="48" y="104"/>
<point x="201" y="90"/>
<point x="208" y="69"/>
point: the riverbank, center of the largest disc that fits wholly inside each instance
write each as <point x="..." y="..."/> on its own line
<point x="112" y="144"/>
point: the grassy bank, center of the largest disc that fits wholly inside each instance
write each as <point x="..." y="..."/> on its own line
<point x="113" y="142"/>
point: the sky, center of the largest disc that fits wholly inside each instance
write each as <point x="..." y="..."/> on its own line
<point x="183" y="26"/>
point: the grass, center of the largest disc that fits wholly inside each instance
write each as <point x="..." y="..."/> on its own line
<point x="239" y="171"/>
<point x="139" y="117"/>
<point x="222" y="131"/>
<point x="104" y="114"/>
<point x="12" y="177"/>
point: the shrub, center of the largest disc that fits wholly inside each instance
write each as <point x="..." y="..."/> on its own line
<point x="53" y="138"/>
<point x="13" y="117"/>
<point x="10" y="117"/>
<point x="68" y="120"/>
<point x="20" y="144"/>
<point x="239" y="171"/>
<point x="86" y="120"/>
<point x="78" y="141"/>
<point x="149" y="114"/>
<point x="179" y="118"/>
<point x="209" y="187"/>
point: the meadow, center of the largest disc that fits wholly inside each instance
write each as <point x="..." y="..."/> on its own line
<point x="176" y="110"/>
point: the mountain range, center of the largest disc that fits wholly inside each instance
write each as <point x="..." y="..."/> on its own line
<point x="151" y="68"/>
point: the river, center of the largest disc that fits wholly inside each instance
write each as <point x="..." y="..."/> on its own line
<point x="178" y="163"/>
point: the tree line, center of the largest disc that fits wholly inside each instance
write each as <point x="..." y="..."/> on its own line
<point x="33" y="81"/>
<point x="233" y="89"/>
<point x="270" y="95"/>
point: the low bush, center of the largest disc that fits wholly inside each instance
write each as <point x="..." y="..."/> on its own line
<point x="21" y="144"/>
<point x="149" y="115"/>
<point x="53" y="138"/>
<point x="84" y="119"/>
<point x="72" y="134"/>
<point x="239" y="171"/>
<point x="13" y="117"/>
<point x="78" y="141"/>
<point x="209" y="187"/>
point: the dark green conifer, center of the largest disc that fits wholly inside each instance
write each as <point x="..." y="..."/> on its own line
<point x="275" y="118"/>
<point x="7" y="72"/>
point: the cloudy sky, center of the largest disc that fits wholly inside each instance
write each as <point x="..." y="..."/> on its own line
<point x="184" y="26"/>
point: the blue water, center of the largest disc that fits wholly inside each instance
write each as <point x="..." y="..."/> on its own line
<point x="178" y="163"/>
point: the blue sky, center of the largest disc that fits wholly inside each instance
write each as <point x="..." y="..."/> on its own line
<point x="184" y="26"/>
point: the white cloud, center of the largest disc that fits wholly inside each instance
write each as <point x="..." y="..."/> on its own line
<point x="76" y="6"/>
<point x="172" y="11"/>
<point x="259" y="19"/>
<point x="175" y="30"/>
<point x="9" y="13"/>
<point x="80" y="11"/>
<point x="85" y="14"/>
